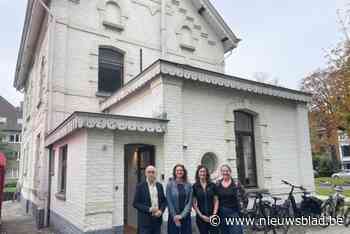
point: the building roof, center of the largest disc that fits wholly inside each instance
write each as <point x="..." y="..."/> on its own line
<point x="35" y="14"/>
<point x="187" y="72"/>
<point x="213" y="18"/>
<point x="12" y="114"/>
<point x="89" y="120"/>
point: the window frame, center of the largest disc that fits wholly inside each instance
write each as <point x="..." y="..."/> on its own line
<point x="211" y="156"/>
<point x="343" y="151"/>
<point x="62" y="173"/>
<point x="118" y="52"/>
<point x="251" y="134"/>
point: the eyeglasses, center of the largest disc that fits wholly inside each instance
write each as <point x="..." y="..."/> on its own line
<point x="151" y="172"/>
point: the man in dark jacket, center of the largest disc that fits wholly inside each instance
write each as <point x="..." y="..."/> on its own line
<point x="150" y="203"/>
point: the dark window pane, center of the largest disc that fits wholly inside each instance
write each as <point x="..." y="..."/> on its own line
<point x="346" y="150"/>
<point x="245" y="149"/>
<point x="110" y="73"/>
<point x="12" y="138"/>
<point x="243" y="122"/>
<point x="63" y="169"/>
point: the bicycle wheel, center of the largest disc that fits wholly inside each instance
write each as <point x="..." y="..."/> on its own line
<point x="327" y="212"/>
<point x="260" y="218"/>
<point x="283" y="214"/>
<point x="347" y="217"/>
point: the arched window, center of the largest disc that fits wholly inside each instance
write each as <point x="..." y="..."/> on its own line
<point x="110" y="70"/>
<point x="210" y="161"/>
<point x="113" y="13"/>
<point x="245" y="148"/>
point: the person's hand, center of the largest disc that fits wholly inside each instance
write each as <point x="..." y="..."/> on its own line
<point x="158" y="213"/>
<point x="205" y="218"/>
<point x="177" y="220"/>
<point x="153" y="210"/>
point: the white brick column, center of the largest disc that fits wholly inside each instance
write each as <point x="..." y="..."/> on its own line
<point x="99" y="203"/>
<point x="173" y="139"/>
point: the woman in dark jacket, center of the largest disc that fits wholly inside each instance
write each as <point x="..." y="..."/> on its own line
<point x="229" y="193"/>
<point x="179" y="198"/>
<point x="205" y="200"/>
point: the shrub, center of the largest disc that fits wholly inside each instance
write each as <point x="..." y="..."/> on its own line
<point x="327" y="166"/>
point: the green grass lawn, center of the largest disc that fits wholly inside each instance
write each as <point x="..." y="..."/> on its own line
<point x="331" y="181"/>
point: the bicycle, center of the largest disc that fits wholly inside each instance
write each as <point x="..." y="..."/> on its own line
<point x="309" y="206"/>
<point x="261" y="210"/>
<point x="335" y="207"/>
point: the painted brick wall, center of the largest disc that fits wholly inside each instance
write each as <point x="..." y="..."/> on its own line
<point x="283" y="140"/>
<point x="80" y="31"/>
<point x="73" y="208"/>
<point x="99" y="189"/>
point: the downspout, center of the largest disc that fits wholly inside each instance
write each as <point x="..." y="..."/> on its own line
<point x="51" y="41"/>
<point x="49" y="186"/>
<point x="163" y="29"/>
<point x="52" y="29"/>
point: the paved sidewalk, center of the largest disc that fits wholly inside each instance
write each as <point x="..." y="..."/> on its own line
<point x="15" y="221"/>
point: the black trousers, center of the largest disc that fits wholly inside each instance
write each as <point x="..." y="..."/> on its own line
<point x="152" y="229"/>
<point x="205" y="228"/>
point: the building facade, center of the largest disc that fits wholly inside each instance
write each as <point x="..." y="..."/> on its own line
<point x="112" y="86"/>
<point x="344" y="150"/>
<point x="10" y="130"/>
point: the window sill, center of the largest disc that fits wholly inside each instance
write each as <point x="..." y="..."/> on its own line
<point x="187" y="47"/>
<point x="114" y="26"/>
<point x="60" y="196"/>
<point x="103" y="94"/>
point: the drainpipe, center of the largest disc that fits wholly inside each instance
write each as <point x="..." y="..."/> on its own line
<point x="51" y="41"/>
<point x="52" y="29"/>
<point x="49" y="187"/>
<point x="163" y="29"/>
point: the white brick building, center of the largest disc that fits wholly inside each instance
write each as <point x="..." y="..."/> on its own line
<point x="344" y="149"/>
<point x="113" y="85"/>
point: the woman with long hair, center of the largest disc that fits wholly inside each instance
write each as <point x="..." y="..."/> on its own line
<point x="229" y="193"/>
<point x="205" y="200"/>
<point x="179" y="198"/>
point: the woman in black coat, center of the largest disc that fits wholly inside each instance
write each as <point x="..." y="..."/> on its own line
<point x="205" y="200"/>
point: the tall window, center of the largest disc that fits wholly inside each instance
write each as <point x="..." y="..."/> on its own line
<point x="110" y="70"/>
<point x="245" y="149"/>
<point x="62" y="177"/>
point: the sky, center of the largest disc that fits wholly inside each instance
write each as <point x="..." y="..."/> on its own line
<point x="285" y="39"/>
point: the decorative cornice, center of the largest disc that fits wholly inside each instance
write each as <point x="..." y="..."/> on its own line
<point x="163" y="67"/>
<point x="197" y="74"/>
<point x="79" y="120"/>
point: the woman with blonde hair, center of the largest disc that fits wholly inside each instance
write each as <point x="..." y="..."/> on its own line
<point x="230" y="193"/>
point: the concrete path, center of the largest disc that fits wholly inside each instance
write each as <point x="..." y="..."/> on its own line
<point x="15" y="221"/>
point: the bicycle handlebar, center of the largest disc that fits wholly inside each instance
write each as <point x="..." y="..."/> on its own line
<point x="292" y="185"/>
